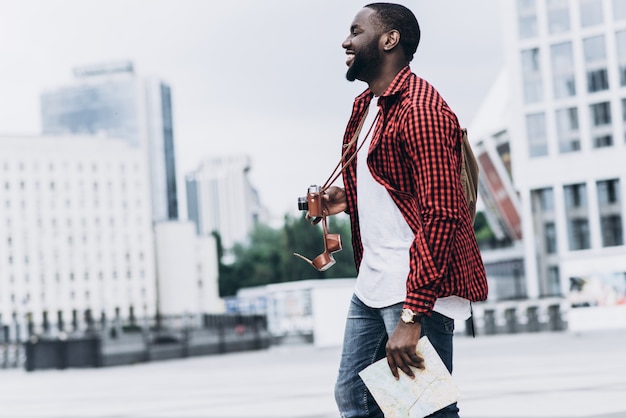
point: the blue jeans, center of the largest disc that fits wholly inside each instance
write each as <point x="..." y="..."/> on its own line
<point x="366" y="334"/>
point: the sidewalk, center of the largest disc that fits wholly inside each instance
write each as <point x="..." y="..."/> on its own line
<point x="547" y="375"/>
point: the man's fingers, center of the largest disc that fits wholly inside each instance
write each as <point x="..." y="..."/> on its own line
<point x="404" y="361"/>
<point x="404" y="366"/>
<point x="392" y="365"/>
<point x="401" y="362"/>
<point x="416" y="361"/>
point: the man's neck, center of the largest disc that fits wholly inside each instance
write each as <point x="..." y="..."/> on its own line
<point x="387" y="75"/>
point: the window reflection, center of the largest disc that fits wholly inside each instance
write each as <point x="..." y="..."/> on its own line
<point x="536" y="131"/>
<point x="531" y="73"/>
<point x="591" y="13"/>
<point x="527" y="12"/>
<point x="595" y="61"/>
<point x="601" y="129"/>
<point x="558" y="16"/>
<point x="567" y="129"/>
<point x="563" y="70"/>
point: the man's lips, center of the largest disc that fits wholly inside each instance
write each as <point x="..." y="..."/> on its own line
<point x="349" y="58"/>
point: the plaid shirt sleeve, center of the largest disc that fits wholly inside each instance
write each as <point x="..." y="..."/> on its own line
<point x="430" y="137"/>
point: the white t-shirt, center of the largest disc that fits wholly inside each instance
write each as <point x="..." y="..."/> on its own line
<point x="386" y="238"/>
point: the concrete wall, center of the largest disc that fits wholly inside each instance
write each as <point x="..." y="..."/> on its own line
<point x="176" y="268"/>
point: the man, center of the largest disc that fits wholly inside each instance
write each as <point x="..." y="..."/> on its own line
<point x="414" y="246"/>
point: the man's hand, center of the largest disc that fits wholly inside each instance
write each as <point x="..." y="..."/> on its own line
<point x="401" y="349"/>
<point x="333" y="202"/>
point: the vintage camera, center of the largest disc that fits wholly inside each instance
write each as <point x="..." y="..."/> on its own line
<point x="312" y="202"/>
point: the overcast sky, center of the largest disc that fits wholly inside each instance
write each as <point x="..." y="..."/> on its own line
<point x="264" y="78"/>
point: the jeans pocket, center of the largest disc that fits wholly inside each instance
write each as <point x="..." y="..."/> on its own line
<point x="448" y="324"/>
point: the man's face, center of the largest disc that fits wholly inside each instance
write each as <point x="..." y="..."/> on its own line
<point x="362" y="48"/>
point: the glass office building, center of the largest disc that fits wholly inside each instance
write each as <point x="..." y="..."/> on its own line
<point x="221" y="198"/>
<point x="112" y="101"/>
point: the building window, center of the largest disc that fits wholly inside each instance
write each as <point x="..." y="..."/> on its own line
<point x="601" y="129"/>
<point x="536" y="131"/>
<point x="563" y="70"/>
<point x="624" y="115"/>
<point x="578" y="234"/>
<point x="608" y="192"/>
<point x="558" y="16"/>
<point x="542" y="205"/>
<point x="619" y="9"/>
<point x="545" y="199"/>
<point x="554" y="282"/>
<point x="527" y="18"/>
<point x="567" y="129"/>
<point x="620" y="42"/>
<point x="531" y="74"/>
<point x="609" y="203"/>
<point x="602" y="141"/>
<point x="612" y="233"/>
<point x="577" y="216"/>
<point x="591" y="13"/>
<point x="576" y="196"/>
<point x="595" y="62"/>
<point x="549" y="230"/>
<point x="601" y="114"/>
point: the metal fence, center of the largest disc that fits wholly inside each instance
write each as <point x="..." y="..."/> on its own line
<point x="11" y="349"/>
<point x="117" y="342"/>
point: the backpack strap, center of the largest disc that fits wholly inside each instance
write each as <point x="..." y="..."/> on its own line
<point x="469" y="173"/>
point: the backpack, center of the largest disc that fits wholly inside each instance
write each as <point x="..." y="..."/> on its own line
<point x="469" y="174"/>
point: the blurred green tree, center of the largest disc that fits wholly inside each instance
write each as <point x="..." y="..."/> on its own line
<point x="268" y="256"/>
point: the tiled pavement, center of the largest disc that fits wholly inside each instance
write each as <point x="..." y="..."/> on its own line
<point x="546" y="375"/>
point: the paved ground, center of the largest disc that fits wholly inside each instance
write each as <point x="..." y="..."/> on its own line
<point x="548" y="375"/>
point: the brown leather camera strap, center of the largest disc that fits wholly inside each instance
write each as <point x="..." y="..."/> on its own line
<point x="343" y="163"/>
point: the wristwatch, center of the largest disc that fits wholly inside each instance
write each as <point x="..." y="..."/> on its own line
<point x="410" y="317"/>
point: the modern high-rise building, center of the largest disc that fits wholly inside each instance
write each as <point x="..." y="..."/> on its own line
<point x="220" y="198"/>
<point x="503" y="252"/>
<point x="567" y="66"/>
<point x="111" y="100"/>
<point x="76" y="236"/>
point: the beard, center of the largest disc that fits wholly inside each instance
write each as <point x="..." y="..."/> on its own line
<point x="365" y="63"/>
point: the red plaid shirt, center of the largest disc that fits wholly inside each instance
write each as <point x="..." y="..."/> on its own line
<point x="415" y="153"/>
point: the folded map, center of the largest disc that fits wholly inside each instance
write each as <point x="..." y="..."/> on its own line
<point x="432" y="389"/>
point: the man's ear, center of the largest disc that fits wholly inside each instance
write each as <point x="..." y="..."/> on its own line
<point x="390" y="40"/>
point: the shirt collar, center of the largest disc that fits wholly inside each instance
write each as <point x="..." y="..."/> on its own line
<point x="398" y="82"/>
<point x="394" y="87"/>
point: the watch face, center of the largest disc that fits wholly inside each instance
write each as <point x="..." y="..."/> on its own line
<point x="407" y="315"/>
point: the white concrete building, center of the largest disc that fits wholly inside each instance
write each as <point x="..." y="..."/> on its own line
<point x="221" y="198"/>
<point x="75" y="230"/>
<point x="112" y="100"/>
<point x="187" y="270"/>
<point x="567" y="63"/>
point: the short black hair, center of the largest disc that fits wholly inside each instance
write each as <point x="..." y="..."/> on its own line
<point x="392" y="16"/>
